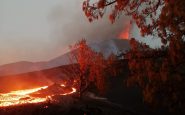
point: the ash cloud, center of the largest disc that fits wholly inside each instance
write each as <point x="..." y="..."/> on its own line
<point x="69" y="25"/>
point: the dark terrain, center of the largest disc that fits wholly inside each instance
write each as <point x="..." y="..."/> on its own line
<point x="121" y="100"/>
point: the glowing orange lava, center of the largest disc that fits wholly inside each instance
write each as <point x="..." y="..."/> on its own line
<point x="125" y="32"/>
<point x="22" y="96"/>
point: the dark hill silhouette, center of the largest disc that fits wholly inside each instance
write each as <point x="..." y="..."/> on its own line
<point x="106" y="47"/>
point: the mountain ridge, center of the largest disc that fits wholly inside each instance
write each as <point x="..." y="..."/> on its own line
<point x="106" y="47"/>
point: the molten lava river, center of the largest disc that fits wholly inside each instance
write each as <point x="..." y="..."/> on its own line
<point x="26" y="96"/>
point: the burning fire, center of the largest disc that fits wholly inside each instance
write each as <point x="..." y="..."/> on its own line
<point x="23" y="96"/>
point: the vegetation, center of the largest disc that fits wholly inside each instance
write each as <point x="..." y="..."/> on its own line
<point x="92" y="67"/>
<point x="159" y="72"/>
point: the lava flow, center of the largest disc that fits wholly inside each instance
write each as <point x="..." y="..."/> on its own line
<point x="25" y="96"/>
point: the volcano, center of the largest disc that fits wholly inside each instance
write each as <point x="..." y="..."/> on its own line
<point x="106" y="47"/>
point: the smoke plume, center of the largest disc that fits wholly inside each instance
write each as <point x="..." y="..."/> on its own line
<point x="69" y="25"/>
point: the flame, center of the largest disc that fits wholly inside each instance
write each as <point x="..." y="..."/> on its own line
<point x="22" y="96"/>
<point x="125" y="32"/>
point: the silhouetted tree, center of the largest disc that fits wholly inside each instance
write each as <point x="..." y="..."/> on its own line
<point x="159" y="72"/>
<point x="164" y="18"/>
<point x="92" y="66"/>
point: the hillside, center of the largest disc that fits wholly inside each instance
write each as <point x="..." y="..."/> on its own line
<point x="106" y="47"/>
<point x="119" y="96"/>
<point x="34" y="79"/>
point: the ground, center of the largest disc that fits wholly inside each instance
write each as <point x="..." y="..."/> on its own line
<point x="68" y="105"/>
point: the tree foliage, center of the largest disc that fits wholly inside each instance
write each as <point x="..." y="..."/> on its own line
<point x="162" y="18"/>
<point x="92" y="66"/>
<point x="159" y="72"/>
